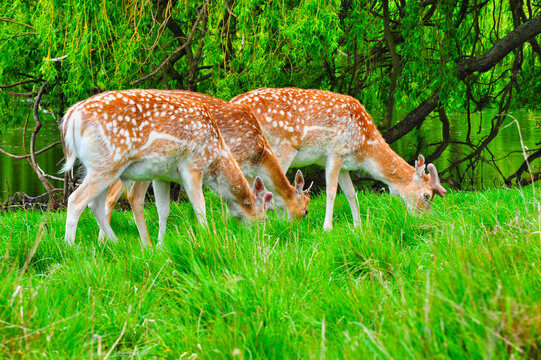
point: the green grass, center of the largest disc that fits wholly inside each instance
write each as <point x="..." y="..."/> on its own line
<point x="461" y="282"/>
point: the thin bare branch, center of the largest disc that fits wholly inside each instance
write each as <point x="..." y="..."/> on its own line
<point x="60" y="58"/>
<point x="52" y="177"/>
<point x="28" y="156"/>
<point x="33" y="162"/>
<point x="231" y="13"/>
<point x="179" y="49"/>
<point x="5" y="19"/>
<point x="40" y="78"/>
<point x="19" y="35"/>
<point x="27" y="95"/>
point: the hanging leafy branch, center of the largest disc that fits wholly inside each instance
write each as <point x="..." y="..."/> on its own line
<point x="427" y="57"/>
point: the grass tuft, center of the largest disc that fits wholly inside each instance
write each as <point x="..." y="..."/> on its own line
<point x="461" y="282"/>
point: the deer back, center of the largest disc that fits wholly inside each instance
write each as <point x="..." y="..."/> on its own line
<point x="244" y="137"/>
<point x="310" y="118"/>
<point x="148" y="134"/>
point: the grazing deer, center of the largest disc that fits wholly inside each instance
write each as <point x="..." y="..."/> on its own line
<point x="242" y="134"/>
<point x="307" y="127"/>
<point x="147" y="135"/>
<point x="244" y="138"/>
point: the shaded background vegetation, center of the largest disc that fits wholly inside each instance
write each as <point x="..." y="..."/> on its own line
<point x="426" y="58"/>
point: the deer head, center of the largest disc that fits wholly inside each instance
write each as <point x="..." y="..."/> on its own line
<point x="420" y="192"/>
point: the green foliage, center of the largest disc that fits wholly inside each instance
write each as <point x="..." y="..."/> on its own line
<point x="461" y="282"/>
<point x="334" y="45"/>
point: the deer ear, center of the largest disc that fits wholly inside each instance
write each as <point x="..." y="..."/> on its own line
<point x="435" y="180"/>
<point x="262" y="196"/>
<point x="267" y="198"/>
<point x="419" y="168"/>
<point x="259" y="188"/>
<point x="299" y="183"/>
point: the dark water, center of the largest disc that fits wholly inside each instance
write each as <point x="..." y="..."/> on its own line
<point x="503" y="156"/>
<point x="17" y="175"/>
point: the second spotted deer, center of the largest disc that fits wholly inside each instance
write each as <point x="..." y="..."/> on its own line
<point x="146" y="135"/>
<point x="335" y="131"/>
<point x="242" y="134"/>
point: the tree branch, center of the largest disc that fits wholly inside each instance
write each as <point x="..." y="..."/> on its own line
<point x="525" y="165"/>
<point x="40" y="78"/>
<point x="481" y="63"/>
<point x="28" y="155"/>
<point x="26" y="95"/>
<point x="48" y="186"/>
<point x="5" y="19"/>
<point x="413" y="119"/>
<point x="508" y="43"/>
<point x="179" y="49"/>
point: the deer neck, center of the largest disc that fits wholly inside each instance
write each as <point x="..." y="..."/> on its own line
<point x="277" y="180"/>
<point x="231" y="185"/>
<point x="382" y="163"/>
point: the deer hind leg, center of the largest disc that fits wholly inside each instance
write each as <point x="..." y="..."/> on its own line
<point x="115" y="189"/>
<point x="136" y="198"/>
<point x="161" y="194"/>
<point x="332" y="171"/>
<point x="193" y="182"/>
<point x="112" y="198"/>
<point x="346" y="185"/>
<point x="93" y="189"/>
<point x="97" y="206"/>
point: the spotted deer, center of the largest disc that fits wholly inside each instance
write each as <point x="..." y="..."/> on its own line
<point x="147" y="135"/>
<point x="244" y="138"/>
<point x="335" y="131"/>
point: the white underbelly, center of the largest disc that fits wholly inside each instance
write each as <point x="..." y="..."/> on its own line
<point x="166" y="168"/>
<point x="315" y="156"/>
<point x="349" y="162"/>
<point x="310" y="155"/>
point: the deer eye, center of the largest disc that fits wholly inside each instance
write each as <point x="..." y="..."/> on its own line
<point x="426" y="197"/>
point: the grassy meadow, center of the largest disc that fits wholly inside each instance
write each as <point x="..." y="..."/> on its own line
<point x="462" y="282"/>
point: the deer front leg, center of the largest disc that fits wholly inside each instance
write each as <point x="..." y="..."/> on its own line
<point x="162" y="191"/>
<point x="347" y="187"/>
<point x="193" y="183"/>
<point x="332" y="171"/>
<point x="136" y="198"/>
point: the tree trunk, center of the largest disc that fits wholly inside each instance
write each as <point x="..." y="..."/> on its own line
<point x="388" y="119"/>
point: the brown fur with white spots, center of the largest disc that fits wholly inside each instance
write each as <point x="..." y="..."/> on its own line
<point x="307" y="127"/>
<point x="242" y="134"/>
<point x="146" y="135"/>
